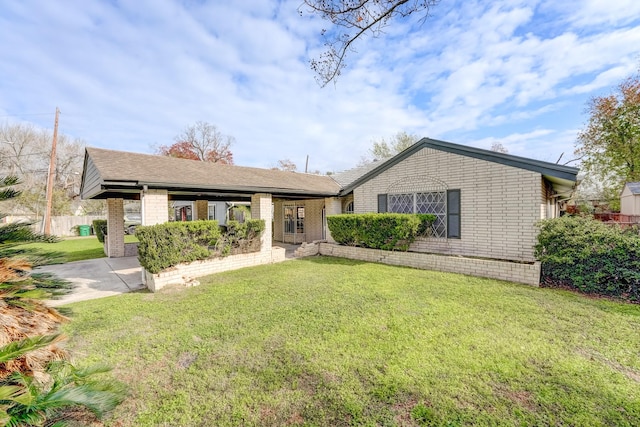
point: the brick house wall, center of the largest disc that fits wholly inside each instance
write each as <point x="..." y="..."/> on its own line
<point x="499" y="204"/>
<point x="313" y="226"/>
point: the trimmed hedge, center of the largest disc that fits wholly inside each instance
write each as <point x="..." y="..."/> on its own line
<point x="166" y="245"/>
<point x="590" y="256"/>
<point x="388" y="231"/>
<point x="99" y="226"/>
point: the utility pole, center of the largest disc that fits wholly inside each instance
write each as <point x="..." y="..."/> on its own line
<point x="46" y="220"/>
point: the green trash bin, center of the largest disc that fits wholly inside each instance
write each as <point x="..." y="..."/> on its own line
<point x="84" y="230"/>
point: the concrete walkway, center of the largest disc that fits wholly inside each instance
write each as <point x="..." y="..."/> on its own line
<point x="104" y="277"/>
<point x="97" y="278"/>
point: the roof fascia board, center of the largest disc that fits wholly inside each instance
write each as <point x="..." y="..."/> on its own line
<point x="544" y="168"/>
<point x="119" y="185"/>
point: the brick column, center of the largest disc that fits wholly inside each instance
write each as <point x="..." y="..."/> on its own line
<point x="155" y="207"/>
<point x="115" y="228"/>
<point x="332" y="206"/>
<point x="261" y="208"/>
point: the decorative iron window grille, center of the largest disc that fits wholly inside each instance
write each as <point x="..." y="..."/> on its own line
<point x="434" y="202"/>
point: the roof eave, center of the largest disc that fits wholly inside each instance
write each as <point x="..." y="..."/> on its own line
<point x="544" y="168"/>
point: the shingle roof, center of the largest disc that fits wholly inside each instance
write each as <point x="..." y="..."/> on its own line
<point x="634" y="187"/>
<point x="120" y="167"/>
<point x="351" y="175"/>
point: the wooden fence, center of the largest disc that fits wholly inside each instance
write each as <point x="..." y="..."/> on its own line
<point x="613" y="217"/>
<point x="62" y="226"/>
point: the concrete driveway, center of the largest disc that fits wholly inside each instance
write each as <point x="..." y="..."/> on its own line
<point x="97" y="278"/>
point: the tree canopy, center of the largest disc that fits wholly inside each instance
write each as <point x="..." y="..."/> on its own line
<point x="351" y="20"/>
<point x="25" y="153"/>
<point x="201" y="141"/>
<point x="610" y="142"/>
<point x="286" y="165"/>
<point x="383" y="149"/>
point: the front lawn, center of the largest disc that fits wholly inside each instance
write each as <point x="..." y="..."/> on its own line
<point x="75" y="248"/>
<point x="332" y="342"/>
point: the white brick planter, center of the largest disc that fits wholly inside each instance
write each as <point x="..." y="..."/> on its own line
<point x="185" y="273"/>
<point x="527" y="273"/>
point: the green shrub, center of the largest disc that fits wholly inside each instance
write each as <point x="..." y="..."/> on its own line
<point x="426" y="221"/>
<point x="165" y="245"/>
<point x="99" y="227"/>
<point x="588" y="255"/>
<point x="386" y="231"/>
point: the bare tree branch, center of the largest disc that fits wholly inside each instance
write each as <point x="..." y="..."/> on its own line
<point x="352" y="20"/>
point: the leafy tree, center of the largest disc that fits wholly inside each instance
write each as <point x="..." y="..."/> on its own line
<point x="609" y="145"/>
<point x="352" y="20"/>
<point x="286" y="165"/>
<point x="382" y="149"/>
<point x="35" y="379"/>
<point x="201" y="141"/>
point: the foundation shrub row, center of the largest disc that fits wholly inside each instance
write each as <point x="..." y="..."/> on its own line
<point x="166" y="245"/>
<point x="387" y="231"/>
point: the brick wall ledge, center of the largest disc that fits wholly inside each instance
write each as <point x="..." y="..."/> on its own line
<point x="526" y="273"/>
<point x="184" y="274"/>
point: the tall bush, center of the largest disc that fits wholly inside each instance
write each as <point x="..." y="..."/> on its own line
<point x="590" y="256"/>
<point x="99" y="226"/>
<point x="388" y="231"/>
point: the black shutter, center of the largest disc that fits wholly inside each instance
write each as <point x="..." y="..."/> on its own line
<point x="453" y="214"/>
<point x="382" y="203"/>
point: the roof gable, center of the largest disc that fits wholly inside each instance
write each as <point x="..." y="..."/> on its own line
<point x="566" y="173"/>
<point x="634" y="187"/>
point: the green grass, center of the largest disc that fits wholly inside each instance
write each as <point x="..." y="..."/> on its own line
<point x="332" y="342"/>
<point x="75" y="248"/>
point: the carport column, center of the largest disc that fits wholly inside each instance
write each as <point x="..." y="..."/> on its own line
<point x="261" y="208"/>
<point x="155" y="206"/>
<point x="115" y="228"/>
<point x="332" y="206"/>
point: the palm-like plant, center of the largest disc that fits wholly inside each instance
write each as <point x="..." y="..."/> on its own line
<point x="35" y="378"/>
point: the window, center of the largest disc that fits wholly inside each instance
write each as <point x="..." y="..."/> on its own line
<point x="182" y="211"/>
<point x="445" y="205"/>
<point x="349" y="208"/>
<point x="294" y="219"/>
<point x="211" y="212"/>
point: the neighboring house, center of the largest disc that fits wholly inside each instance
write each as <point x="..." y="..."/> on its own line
<point x="630" y="199"/>
<point x="487" y="204"/>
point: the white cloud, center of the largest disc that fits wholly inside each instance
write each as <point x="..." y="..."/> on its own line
<point x="133" y="74"/>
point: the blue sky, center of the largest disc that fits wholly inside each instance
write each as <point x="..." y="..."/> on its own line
<point x="130" y="75"/>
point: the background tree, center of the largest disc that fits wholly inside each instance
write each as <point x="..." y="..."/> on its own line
<point x="352" y="20"/>
<point x="25" y="152"/>
<point x="499" y="148"/>
<point x="286" y="165"/>
<point x="201" y="141"/>
<point x="383" y="149"/>
<point x="609" y="145"/>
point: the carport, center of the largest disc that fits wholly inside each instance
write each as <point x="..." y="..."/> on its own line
<point x="116" y="176"/>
